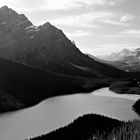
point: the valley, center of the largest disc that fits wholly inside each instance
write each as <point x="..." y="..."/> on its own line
<point x="45" y="65"/>
<point x="46" y="82"/>
<point x="59" y="111"/>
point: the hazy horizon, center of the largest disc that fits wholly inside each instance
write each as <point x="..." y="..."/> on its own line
<point x="97" y="26"/>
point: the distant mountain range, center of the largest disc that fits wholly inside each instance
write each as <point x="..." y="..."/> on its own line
<point x="126" y="59"/>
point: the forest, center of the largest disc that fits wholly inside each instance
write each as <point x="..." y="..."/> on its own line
<point x="125" y="86"/>
<point x="95" y="127"/>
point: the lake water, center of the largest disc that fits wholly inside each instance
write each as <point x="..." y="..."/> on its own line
<point x="59" y="111"/>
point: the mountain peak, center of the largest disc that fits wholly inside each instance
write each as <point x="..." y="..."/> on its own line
<point x="52" y="31"/>
<point x="125" y="50"/>
<point x="4" y="7"/>
<point x="12" y="20"/>
<point x="48" y="24"/>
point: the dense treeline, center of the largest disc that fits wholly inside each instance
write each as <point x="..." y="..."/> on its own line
<point x="136" y="106"/>
<point x="95" y="127"/>
<point x="83" y="128"/>
<point x="125" y="87"/>
<point x="127" y="131"/>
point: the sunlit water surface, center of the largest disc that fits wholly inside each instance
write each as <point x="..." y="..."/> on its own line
<point x="59" y="111"/>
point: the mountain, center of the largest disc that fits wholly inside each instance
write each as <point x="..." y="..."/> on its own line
<point x="45" y="47"/>
<point x="38" y="62"/>
<point x="23" y="86"/>
<point x="126" y="59"/>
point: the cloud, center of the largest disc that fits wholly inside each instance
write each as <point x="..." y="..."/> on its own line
<point x="113" y="18"/>
<point x="113" y="22"/>
<point x="24" y="4"/>
<point x="118" y="19"/>
<point x="70" y="4"/>
<point x="65" y="8"/>
<point x="123" y="36"/>
<point x="55" y="4"/>
<point x="127" y="17"/>
<point x="131" y="32"/>
<point x="83" y="20"/>
<point x="76" y="21"/>
<point x="78" y="33"/>
<point x="104" y="24"/>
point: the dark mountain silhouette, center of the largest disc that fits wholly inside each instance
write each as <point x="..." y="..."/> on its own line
<point x="23" y="86"/>
<point x="46" y="47"/>
<point x="37" y="62"/>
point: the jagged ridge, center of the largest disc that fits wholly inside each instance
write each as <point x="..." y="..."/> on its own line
<point x="45" y="47"/>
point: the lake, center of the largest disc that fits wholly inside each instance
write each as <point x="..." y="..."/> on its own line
<point x="59" y="111"/>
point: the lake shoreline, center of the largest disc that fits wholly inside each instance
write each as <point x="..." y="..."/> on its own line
<point x="117" y="95"/>
<point x="59" y="111"/>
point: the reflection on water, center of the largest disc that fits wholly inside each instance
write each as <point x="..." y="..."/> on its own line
<point x="59" y="111"/>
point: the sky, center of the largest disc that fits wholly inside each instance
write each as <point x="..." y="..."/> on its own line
<point x="98" y="27"/>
